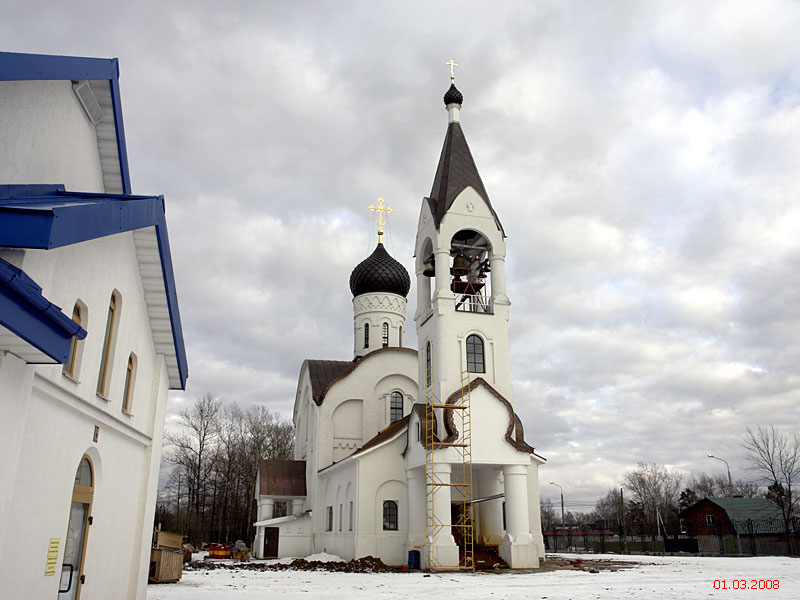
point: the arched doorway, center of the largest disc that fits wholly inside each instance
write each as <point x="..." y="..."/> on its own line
<point x="77" y="532"/>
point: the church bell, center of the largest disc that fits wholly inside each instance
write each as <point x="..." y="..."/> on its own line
<point x="460" y="266"/>
<point x="429" y="267"/>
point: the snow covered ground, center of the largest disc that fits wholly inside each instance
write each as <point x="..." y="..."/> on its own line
<point x="656" y="578"/>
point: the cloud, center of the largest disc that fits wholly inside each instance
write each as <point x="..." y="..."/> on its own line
<point x="643" y="159"/>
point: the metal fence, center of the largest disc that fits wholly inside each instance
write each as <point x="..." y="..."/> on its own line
<point x="756" y="538"/>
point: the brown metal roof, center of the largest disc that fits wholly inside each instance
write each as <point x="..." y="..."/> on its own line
<point x="282" y="478"/>
<point x="456" y="171"/>
<point x="385" y="434"/>
<point x="322" y="372"/>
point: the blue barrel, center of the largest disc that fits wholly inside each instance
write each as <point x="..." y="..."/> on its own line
<point x="413" y="559"/>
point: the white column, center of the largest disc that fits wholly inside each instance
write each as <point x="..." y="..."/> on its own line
<point x="416" y="507"/>
<point x="490" y="512"/>
<point x="266" y="508"/>
<point x="443" y="273"/>
<point x="298" y="506"/>
<point x="498" y="270"/>
<point x="517" y="547"/>
<point x="445" y="549"/>
<point x="516" y="490"/>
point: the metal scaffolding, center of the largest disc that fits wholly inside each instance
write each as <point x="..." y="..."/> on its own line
<point x="455" y="450"/>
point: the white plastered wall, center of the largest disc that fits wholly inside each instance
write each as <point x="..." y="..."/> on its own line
<point x="376" y="309"/>
<point x="337" y="486"/>
<point x="53" y="416"/>
<point x="368" y="384"/>
<point x="381" y="477"/>
<point x="46" y="119"/>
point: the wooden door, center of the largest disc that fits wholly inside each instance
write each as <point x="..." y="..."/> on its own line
<point x="271" y="542"/>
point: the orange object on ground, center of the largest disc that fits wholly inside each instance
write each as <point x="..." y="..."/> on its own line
<point x="219" y="552"/>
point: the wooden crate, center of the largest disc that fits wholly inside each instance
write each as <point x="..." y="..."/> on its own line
<point x="166" y="565"/>
<point x="165" y="539"/>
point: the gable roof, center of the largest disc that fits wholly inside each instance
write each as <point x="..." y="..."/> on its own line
<point x="456" y="171"/>
<point x="46" y="217"/>
<point x="741" y="509"/>
<point x="514" y="434"/>
<point x="102" y="75"/>
<point x="324" y="373"/>
<point x="34" y="218"/>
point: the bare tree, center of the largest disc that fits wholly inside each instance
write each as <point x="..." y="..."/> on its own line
<point x="269" y="437"/>
<point x="655" y="489"/>
<point x="609" y="509"/>
<point x="214" y="458"/>
<point x="704" y="485"/>
<point x="191" y="450"/>
<point x="548" y="514"/>
<point x="775" y="456"/>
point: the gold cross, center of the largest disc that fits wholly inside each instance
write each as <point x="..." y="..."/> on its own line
<point x="381" y="221"/>
<point x="452" y="64"/>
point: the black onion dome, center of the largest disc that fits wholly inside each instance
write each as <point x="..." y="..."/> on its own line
<point x="380" y="273"/>
<point x="453" y="96"/>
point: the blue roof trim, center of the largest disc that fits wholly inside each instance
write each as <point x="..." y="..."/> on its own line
<point x="37" y="67"/>
<point x="31" y="316"/>
<point x="45" y="217"/>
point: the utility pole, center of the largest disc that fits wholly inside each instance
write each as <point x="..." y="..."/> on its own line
<point x="562" y="505"/>
<point x="622" y="513"/>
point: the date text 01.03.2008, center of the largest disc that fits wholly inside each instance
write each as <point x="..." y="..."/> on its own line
<point x="747" y="584"/>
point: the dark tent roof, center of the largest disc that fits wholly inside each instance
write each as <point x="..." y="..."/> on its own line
<point x="456" y="171"/>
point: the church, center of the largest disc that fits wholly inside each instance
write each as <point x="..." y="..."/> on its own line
<point x="407" y="454"/>
<point x="90" y="336"/>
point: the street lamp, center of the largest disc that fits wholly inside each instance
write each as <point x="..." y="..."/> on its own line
<point x="562" y="506"/>
<point x="730" y="481"/>
<point x="733" y="501"/>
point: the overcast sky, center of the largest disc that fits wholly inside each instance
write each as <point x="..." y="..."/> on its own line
<point x="643" y="157"/>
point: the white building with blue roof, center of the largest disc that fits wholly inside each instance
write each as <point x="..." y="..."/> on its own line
<point x="90" y="336"/>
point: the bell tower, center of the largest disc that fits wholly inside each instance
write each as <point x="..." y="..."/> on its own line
<point x="462" y="306"/>
<point x="462" y="327"/>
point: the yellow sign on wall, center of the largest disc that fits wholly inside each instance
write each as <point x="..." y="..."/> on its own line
<point x="52" y="556"/>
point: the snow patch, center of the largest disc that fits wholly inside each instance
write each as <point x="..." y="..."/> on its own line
<point x="324" y="557"/>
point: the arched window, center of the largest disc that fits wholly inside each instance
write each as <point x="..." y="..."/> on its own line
<point x="366" y="335"/>
<point x="108" y="345"/>
<point x="475" y="362"/>
<point x="385" y="335"/>
<point x="130" y="376"/>
<point x="428" y="364"/>
<point x="400" y="340"/>
<point x="71" y="366"/>
<point x="389" y="515"/>
<point x="395" y="407"/>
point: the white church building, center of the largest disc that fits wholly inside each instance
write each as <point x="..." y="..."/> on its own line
<point x="400" y="451"/>
<point x="90" y="336"/>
